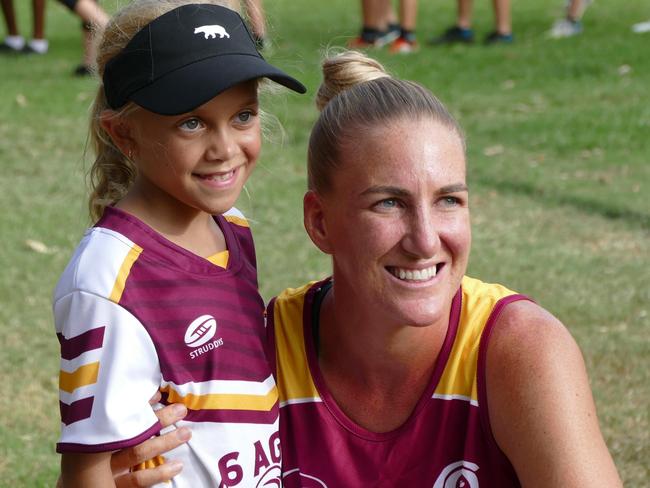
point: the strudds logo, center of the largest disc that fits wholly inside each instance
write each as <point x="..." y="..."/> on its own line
<point x="212" y="31"/>
<point x="199" y="334"/>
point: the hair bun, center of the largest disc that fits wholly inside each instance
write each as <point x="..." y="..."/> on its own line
<point x="345" y="70"/>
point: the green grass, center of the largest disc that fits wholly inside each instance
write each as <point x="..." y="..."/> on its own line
<point x="559" y="169"/>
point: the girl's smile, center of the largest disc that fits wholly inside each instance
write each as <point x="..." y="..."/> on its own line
<point x="193" y="163"/>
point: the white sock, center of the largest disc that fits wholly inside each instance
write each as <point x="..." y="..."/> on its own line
<point x="39" y="45"/>
<point x="15" y="42"/>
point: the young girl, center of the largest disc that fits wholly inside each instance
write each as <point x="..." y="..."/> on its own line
<point x="161" y="294"/>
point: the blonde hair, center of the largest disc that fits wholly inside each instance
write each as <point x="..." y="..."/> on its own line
<point x="357" y="94"/>
<point x="112" y="173"/>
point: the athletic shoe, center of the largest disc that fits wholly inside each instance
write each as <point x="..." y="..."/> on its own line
<point x="392" y="33"/>
<point x="380" y="41"/>
<point x="12" y="44"/>
<point x="403" y="46"/>
<point x="35" y="47"/>
<point x="497" y="38"/>
<point x="641" y="27"/>
<point x="82" y="70"/>
<point x="453" y="35"/>
<point x="7" y="49"/>
<point x="565" y="28"/>
<point x="360" y="43"/>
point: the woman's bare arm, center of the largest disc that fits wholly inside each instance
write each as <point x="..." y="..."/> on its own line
<point x="542" y="412"/>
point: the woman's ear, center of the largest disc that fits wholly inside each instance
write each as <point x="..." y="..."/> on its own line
<point x="314" y="220"/>
<point x="119" y="130"/>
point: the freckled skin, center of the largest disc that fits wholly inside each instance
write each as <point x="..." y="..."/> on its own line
<point x="390" y="207"/>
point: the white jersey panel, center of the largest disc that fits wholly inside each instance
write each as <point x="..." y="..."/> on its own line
<point x="95" y="264"/>
<point x="248" y="456"/>
<point x="126" y="374"/>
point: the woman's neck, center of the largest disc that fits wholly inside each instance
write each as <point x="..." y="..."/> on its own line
<point x="375" y="374"/>
<point x="364" y="346"/>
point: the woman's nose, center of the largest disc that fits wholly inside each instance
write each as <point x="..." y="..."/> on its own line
<point x="422" y="239"/>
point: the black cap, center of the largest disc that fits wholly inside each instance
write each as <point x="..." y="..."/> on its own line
<point x="186" y="57"/>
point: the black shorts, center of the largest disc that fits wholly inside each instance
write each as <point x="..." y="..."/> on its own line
<point x="71" y="4"/>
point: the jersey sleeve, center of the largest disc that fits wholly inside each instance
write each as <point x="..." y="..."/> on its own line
<point x="109" y="371"/>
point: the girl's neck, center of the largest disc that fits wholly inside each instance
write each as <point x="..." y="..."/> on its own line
<point x="185" y="226"/>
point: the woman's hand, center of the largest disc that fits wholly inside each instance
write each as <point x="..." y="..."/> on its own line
<point x="122" y="461"/>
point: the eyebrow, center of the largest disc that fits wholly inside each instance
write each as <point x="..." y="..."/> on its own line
<point x="401" y="192"/>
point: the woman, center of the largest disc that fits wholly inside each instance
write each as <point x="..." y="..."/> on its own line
<point x="400" y="370"/>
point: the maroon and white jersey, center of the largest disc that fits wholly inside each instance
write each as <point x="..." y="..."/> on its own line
<point x="136" y="314"/>
<point x="447" y="441"/>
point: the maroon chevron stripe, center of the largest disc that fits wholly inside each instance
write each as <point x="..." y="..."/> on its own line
<point x="76" y="411"/>
<point x="76" y="346"/>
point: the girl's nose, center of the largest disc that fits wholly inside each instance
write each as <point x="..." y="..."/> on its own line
<point x="222" y="146"/>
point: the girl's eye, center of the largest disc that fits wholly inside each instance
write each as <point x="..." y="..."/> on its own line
<point x="245" y="117"/>
<point x="190" y="125"/>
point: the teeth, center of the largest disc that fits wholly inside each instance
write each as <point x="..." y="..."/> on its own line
<point x="218" y="177"/>
<point x="414" y="275"/>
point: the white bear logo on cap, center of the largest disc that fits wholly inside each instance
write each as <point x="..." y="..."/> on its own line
<point x="211" y="31"/>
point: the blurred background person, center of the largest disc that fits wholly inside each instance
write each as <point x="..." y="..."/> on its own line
<point x="93" y="18"/>
<point x="462" y="32"/>
<point x="92" y="15"/>
<point x="14" y="42"/>
<point x="571" y="24"/>
<point x="380" y="26"/>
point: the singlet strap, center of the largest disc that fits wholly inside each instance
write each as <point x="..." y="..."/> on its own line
<point x="319" y="296"/>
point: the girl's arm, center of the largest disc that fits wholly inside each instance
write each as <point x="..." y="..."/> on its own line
<point x="122" y="461"/>
<point x="542" y="412"/>
<point x="83" y="469"/>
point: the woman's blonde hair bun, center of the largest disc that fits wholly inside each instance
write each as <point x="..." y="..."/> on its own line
<point x="343" y="71"/>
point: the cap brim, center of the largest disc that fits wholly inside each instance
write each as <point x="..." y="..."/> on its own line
<point x="193" y="85"/>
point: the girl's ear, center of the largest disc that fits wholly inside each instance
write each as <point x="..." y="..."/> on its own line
<point x="315" y="222"/>
<point x="119" y="131"/>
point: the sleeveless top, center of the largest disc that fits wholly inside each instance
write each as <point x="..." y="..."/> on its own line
<point x="446" y="442"/>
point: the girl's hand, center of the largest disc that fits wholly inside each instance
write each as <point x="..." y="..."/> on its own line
<point x="122" y="461"/>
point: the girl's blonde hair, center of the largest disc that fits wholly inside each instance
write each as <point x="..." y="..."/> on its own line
<point x="112" y="173"/>
<point x="358" y="94"/>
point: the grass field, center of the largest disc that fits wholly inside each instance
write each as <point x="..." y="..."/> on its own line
<point x="558" y="143"/>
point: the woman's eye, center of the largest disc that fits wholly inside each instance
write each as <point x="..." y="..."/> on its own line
<point x="190" y="125"/>
<point x="387" y="204"/>
<point x="451" y="201"/>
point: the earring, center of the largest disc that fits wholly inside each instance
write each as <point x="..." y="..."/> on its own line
<point x="129" y="155"/>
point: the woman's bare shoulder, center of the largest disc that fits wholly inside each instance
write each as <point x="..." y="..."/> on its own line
<point x="541" y="409"/>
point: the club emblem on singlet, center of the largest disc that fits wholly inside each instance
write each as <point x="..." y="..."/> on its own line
<point x="295" y="479"/>
<point x="461" y="474"/>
